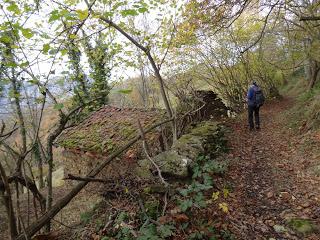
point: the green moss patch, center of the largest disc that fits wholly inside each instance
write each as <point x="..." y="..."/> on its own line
<point x="302" y="226"/>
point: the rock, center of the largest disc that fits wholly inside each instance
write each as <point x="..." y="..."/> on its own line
<point x="206" y="137"/>
<point x="305" y="204"/>
<point x="285" y="196"/>
<point x="269" y="194"/>
<point x="189" y="145"/>
<point x="279" y="228"/>
<point x="173" y="164"/>
<point x="143" y="169"/>
<point x="170" y="163"/>
<point x="270" y="222"/>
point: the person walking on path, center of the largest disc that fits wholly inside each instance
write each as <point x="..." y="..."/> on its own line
<point x="255" y="100"/>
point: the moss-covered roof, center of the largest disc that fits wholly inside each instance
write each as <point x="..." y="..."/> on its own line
<point x="109" y="128"/>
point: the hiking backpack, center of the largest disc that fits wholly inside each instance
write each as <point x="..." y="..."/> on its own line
<point x="258" y="97"/>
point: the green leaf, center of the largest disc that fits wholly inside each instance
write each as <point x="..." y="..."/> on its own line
<point x="14" y="8"/>
<point x="42" y="89"/>
<point x="143" y="10"/>
<point x="72" y="36"/>
<point x="117" y="5"/>
<point x="121" y="217"/>
<point x="165" y="230"/>
<point x="225" y="192"/>
<point x="199" y="200"/>
<point x="64" y="13"/>
<point x="45" y="48"/>
<point x="58" y="106"/>
<point x="13" y="94"/>
<point x="24" y="64"/>
<point x="148" y="232"/>
<point x="11" y="64"/>
<point x="129" y="12"/>
<point x="184" y="192"/>
<point x="33" y="81"/>
<point x="5" y="39"/>
<point x="54" y="15"/>
<point x="185" y="205"/>
<point x="82" y="14"/>
<point x="64" y="51"/>
<point x="27" y="33"/>
<point x="39" y="100"/>
<point x="125" y="91"/>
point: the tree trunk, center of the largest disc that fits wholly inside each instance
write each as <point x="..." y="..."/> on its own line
<point x="5" y="192"/>
<point x="154" y="67"/>
<point x="38" y="158"/>
<point x="49" y="177"/>
<point x="315" y="68"/>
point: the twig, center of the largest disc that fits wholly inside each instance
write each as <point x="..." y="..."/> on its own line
<point x="8" y="134"/>
<point x="309" y="18"/>
<point x="62" y="224"/>
<point x="263" y="29"/>
<point x="23" y="227"/>
<point x="88" y="179"/>
<point x="165" y="199"/>
<point x="146" y="150"/>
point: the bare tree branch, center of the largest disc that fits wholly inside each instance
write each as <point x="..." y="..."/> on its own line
<point x="263" y="29"/>
<point x="146" y="151"/>
<point x="309" y="18"/>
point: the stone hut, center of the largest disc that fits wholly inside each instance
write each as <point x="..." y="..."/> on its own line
<point x="105" y="131"/>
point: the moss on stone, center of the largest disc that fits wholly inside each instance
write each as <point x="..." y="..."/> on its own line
<point x="177" y="161"/>
<point x="315" y="170"/>
<point x="303" y="226"/>
<point x="109" y="128"/>
<point x="172" y="163"/>
<point x="205" y="129"/>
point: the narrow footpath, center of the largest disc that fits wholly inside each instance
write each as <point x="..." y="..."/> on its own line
<point x="276" y="189"/>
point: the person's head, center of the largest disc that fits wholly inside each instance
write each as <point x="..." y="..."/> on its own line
<point x="254" y="83"/>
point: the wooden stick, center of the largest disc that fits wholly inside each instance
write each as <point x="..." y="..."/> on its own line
<point x="146" y="150"/>
<point x="89" y="179"/>
<point x="309" y="18"/>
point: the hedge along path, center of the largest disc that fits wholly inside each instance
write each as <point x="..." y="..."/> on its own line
<point x="61" y="203"/>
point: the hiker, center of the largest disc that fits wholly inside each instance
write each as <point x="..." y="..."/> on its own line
<point x="255" y="100"/>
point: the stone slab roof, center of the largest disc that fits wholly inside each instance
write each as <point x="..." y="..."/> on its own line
<point x="109" y="128"/>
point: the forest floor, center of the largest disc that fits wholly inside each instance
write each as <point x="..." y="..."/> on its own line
<point x="275" y="178"/>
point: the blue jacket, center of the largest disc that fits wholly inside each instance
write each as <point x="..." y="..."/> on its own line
<point x="250" y="95"/>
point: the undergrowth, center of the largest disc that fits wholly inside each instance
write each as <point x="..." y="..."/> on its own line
<point x="305" y="114"/>
<point x="183" y="217"/>
<point x="180" y="212"/>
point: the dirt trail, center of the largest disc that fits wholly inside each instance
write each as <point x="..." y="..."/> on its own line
<point x="271" y="179"/>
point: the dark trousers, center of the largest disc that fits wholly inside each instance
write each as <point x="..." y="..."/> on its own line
<point x="253" y="110"/>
